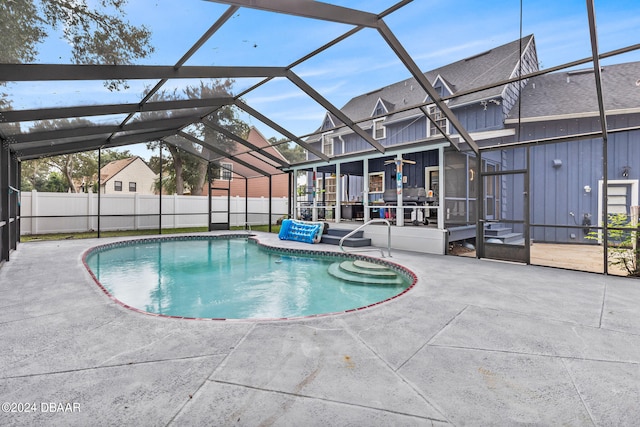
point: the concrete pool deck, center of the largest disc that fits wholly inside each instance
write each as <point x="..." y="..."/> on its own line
<point x="473" y="343"/>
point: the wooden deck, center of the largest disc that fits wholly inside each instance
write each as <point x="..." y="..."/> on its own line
<point x="574" y="257"/>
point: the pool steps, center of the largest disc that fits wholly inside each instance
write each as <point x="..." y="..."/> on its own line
<point x="364" y="272"/>
<point x="333" y="236"/>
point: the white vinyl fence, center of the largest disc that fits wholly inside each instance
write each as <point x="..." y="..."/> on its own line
<point x="43" y="213"/>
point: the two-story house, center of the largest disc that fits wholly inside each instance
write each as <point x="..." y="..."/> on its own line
<point x="131" y="175"/>
<point x="540" y="191"/>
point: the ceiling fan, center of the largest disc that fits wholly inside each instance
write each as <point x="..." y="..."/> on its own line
<point x="393" y="161"/>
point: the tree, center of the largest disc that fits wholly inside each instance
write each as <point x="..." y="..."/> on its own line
<point x="55" y="183"/>
<point x="185" y="169"/>
<point x="289" y="150"/>
<point x="98" y="33"/>
<point x="61" y="173"/>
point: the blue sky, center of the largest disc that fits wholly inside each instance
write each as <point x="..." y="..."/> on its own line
<point x="434" y="32"/>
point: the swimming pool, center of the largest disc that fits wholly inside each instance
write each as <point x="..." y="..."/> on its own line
<point x="232" y="277"/>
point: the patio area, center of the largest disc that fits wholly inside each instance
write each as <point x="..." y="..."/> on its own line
<point x="475" y="342"/>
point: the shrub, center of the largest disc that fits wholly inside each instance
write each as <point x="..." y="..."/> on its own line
<point x="624" y="248"/>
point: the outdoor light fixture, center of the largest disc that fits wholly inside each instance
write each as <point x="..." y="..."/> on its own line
<point x="557" y="163"/>
<point x="587" y="189"/>
<point x="625" y="171"/>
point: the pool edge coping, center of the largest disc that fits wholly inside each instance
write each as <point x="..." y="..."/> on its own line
<point x="255" y="240"/>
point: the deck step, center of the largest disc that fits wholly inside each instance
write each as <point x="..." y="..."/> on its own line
<point x="499" y="231"/>
<point x="341" y="232"/>
<point x="336" y="270"/>
<point x="507" y="239"/>
<point x="365" y="268"/>
<point x="350" y="241"/>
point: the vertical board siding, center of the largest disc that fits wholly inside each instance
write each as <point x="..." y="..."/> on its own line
<point x="558" y="191"/>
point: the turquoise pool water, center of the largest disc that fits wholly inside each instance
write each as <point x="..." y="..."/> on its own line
<point x="228" y="278"/>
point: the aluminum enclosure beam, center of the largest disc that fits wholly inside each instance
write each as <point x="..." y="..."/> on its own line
<point x="244" y="142"/>
<point x="279" y="128"/>
<point x="596" y="68"/>
<point x="310" y="9"/>
<point x="57" y="72"/>
<point x="422" y="80"/>
<point x="197" y="45"/>
<point x="293" y="77"/>
<point x="50" y="136"/>
<point x="77" y="147"/>
<point x="444" y="134"/>
<point x="13" y="116"/>
<point x="221" y="152"/>
<point x="187" y="146"/>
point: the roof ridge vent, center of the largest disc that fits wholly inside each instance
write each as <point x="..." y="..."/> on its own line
<point x="582" y="71"/>
<point x="373" y="91"/>
<point x="478" y="55"/>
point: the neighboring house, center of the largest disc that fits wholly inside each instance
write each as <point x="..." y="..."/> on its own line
<point x="566" y="178"/>
<point x="259" y="186"/>
<point x="131" y="175"/>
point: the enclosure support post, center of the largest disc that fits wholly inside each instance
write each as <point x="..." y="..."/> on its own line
<point x="527" y="209"/>
<point x="291" y="193"/>
<point x="399" y="196"/>
<point x="337" y="214"/>
<point x="160" y="192"/>
<point x="99" y="185"/>
<point x="441" y="187"/>
<point x="246" y="201"/>
<point x="365" y="190"/>
<point x="314" y="211"/>
<point x="18" y="174"/>
<point x="209" y="193"/>
<point x="229" y="206"/>
<point x="4" y="202"/>
<point x="270" y="199"/>
<point x="480" y="221"/>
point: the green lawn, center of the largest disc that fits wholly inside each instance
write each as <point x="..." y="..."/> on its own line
<point x="94" y="234"/>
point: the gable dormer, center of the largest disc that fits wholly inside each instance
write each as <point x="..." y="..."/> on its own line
<point x="328" y="122"/>
<point x="381" y="108"/>
<point x="442" y="87"/>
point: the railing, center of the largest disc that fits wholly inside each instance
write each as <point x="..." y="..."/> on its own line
<point x="371" y="221"/>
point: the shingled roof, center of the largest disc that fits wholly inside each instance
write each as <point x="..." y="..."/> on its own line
<point x="488" y="67"/>
<point x="574" y="92"/>
<point x="111" y="169"/>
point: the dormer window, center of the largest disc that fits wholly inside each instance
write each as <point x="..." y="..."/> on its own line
<point x="379" y="129"/>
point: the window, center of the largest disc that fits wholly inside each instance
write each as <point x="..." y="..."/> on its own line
<point x="439" y="119"/>
<point x="226" y="171"/>
<point x="132" y="187"/>
<point x="376" y="182"/>
<point x="117" y="185"/>
<point x="327" y="189"/>
<point x="379" y="130"/>
<point x="380" y="108"/>
<point x="327" y="144"/>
